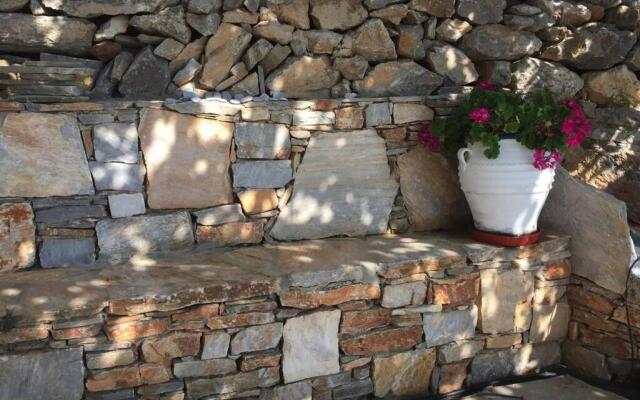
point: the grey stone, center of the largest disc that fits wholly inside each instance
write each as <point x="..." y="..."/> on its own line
<point x="518" y="22"/>
<point x="460" y="350"/>
<point x="351" y="68"/>
<point x="234" y="383"/>
<point x="585" y="362"/>
<point x="70" y="216"/>
<point x="319" y="329"/>
<point x="146" y="78"/>
<point x="261" y="174"/>
<point x="531" y="73"/>
<point x="120" y="65"/>
<point x="54" y="375"/>
<point x="23" y="33"/>
<point x="103" y="87"/>
<point x="12" y="5"/>
<point x="31" y="165"/>
<point x="339" y="15"/>
<point x="168" y="22"/>
<point x="378" y="114"/>
<point x="120" y="238"/>
<point x="94" y="119"/>
<point x="313" y="118"/>
<point x="187" y="73"/>
<point x="275" y="57"/>
<point x="299" y="391"/>
<point x="195" y="368"/>
<point x="219" y="107"/>
<point x="592" y="46"/>
<point x="256" y="53"/>
<point x="258" y="140"/>
<point x="161" y="388"/>
<point x="437" y="8"/>
<point x="356" y="200"/>
<point x="372" y="41"/>
<point x="606" y="265"/>
<point x="353" y="390"/>
<point x="116" y="142"/>
<point x="481" y="11"/>
<point x="498" y="364"/>
<point x="67" y="252"/>
<point x="126" y="205"/>
<point x="444" y="327"/>
<point x="215" y="345"/>
<point x="204" y="6"/>
<point x="257" y="338"/>
<point x="117" y="176"/>
<point x="496" y="72"/>
<point x="94" y="8"/>
<point x="206" y="25"/>
<point x="403" y="375"/>
<point x="523" y="9"/>
<point x="404" y="294"/>
<point x="168" y="49"/>
<point x="220" y="215"/>
<point x="633" y="59"/>
<point x="451" y="62"/>
<point x="498" y="42"/>
<point x="192" y="50"/>
<point x="451" y="30"/>
<point x="113" y="27"/>
<point x="398" y="78"/>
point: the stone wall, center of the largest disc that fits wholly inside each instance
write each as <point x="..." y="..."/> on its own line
<point x="149" y="49"/>
<point x="332" y="319"/>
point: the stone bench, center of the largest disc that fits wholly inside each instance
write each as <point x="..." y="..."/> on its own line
<point x="346" y="317"/>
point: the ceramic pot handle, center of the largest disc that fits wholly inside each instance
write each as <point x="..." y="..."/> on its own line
<point x="461" y="158"/>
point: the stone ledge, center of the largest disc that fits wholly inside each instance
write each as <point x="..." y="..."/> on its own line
<point x="204" y="275"/>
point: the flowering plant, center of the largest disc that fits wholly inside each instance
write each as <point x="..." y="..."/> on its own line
<point x="538" y="121"/>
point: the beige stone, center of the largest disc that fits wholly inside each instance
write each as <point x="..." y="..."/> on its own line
<point x="303" y="77"/>
<point x="295" y="13"/>
<point x="274" y="31"/>
<point x="223" y="51"/>
<point x="616" y="85"/>
<point x="372" y="41"/>
<point x="503" y="309"/>
<point x="451" y="62"/>
<point x="339" y="15"/>
<point x="17" y="236"/>
<point x="258" y="200"/>
<point x="231" y="234"/>
<point x="187" y="160"/>
<point x="404" y="113"/>
<point x="549" y="322"/>
<point x="403" y="374"/>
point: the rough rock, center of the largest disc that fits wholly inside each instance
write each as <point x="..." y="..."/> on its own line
<point x="274" y="31"/>
<point x="607" y="266"/>
<point x="351" y="68"/>
<point x="187" y="73"/>
<point x="215" y="345"/>
<point x="169" y="49"/>
<point x="31" y="166"/>
<point x="234" y="383"/>
<point x="116" y="142"/>
<point x="405" y="294"/>
<point x="633" y="59"/>
<point x="592" y="46"/>
<point x="404" y="113"/>
<point x="56" y="374"/>
<point x="191" y="51"/>
<point x="114" y="26"/>
<point x="503" y="310"/>
<point x="206" y="25"/>
<point x="393" y="14"/>
<point x="223" y="51"/>
<point x="448" y="61"/>
<point x="147" y="77"/>
<point x="126" y="205"/>
<point x="372" y="41"/>
<point x="398" y="78"/>
<point x="403" y="374"/>
<point x="120" y="65"/>
<point x="303" y="77"/>
<point x="195" y="368"/>
<point x="481" y="11"/>
<point x="256" y="53"/>
<point x="409" y="41"/>
<point x="382" y="341"/>
<point x="17" y="240"/>
<point x="361" y="195"/>
<point x="24" y="33"/>
<point x="124" y="237"/>
<point x="531" y="73"/>
<point x="298" y="391"/>
<point x="498" y="42"/>
<point x="339" y="15"/>
<point x="378" y="114"/>
<point x="566" y="13"/>
<point x="434" y="199"/>
<point x="220" y="215"/>
<point x="168" y="22"/>
<point x="261" y="174"/>
<point x="320" y="329"/>
<point x="231" y="234"/>
<point x="295" y="13"/>
<point x="13" y="5"/>
<point x="496" y="72"/>
<point x="586" y="362"/>
<point x="187" y="160"/>
<point x="94" y="8"/>
<point x="67" y="252"/>
<point x="168" y="347"/>
<point x="445" y="327"/>
<point x="549" y="322"/>
<point x="460" y="350"/>
<point x="451" y="30"/>
<point x="437" y="8"/>
<point x="617" y="84"/>
<point x="257" y="338"/>
<point x="258" y="140"/>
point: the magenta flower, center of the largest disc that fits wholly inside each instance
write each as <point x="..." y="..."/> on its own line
<point x="576" y="127"/>
<point x="426" y="138"/>
<point x="543" y="159"/>
<point x="486" y="85"/>
<point x="480" y="115"/>
<point x="572" y="104"/>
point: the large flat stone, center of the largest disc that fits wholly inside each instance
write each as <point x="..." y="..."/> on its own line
<point x="54" y="375"/>
<point x="17" y="236"/>
<point x="120" y="238"/>
<point x="303" y="77"/>
<point x="503" y="309"/>
<point x="607" y="265"/>
<point x="444" y="327"/>
<point x="398" y="78"/>
<point x="431" y="191"/>
<point x="187" y="160"/>
<point x="67" y="252"/>
<point x="24" y="33"/>
<point x="94" y="8"/>
<point x="258" y="140"/>
<point x="116" y="142"/>
<point x="42" y="155"/>
<point x="404" y="374"/>
<point x="311" y="346"/>
<point x="343" y="187"/>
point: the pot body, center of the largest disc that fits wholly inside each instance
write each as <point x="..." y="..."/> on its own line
<point x="506" y="195"/>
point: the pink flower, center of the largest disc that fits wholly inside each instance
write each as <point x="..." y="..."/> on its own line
<point x="426" y="138"/>
<point x="576" y="127"/>
<point x="543" y="159"/>
<point x="480" y="115"/>
<point x="572" y="104"/>
<point x="486" y="85"/>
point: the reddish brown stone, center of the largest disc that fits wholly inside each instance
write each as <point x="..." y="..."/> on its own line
<point x="559" y="269"/>
<point x="17" y="236"/>
<point x="45" y="231"/>
<point x="589" y="300"/>
<point x="252" y="307"/>
<point x="29" y="334"/>
<point x="153" y="374"/>
<point x="170" y="346"/>
<point x="87" y="141"/>
<point x="326" y="105"/>
<point x="231" y="234"/>
<point x="356" y="305"/>
<point x="10" y="106"/>
<point x="395" y="133"/>
<point x="452" y="376"/>
<point x="235" y="320"/>
<point x="70" y="107"/>
<point x="503" y="341"/>
<point x="105" y="51"/>
<point x="455" y="291"/>
<point x="187" y="326"/>
<point x="123" y="320"/>
<point x="594" y="321"/>
<point x="136" y="330"/>
<point x="113" y="379"/>
<point x="620" y="315"/>
<point x="382" y="341"/>
<point x="332" y="297"/>
<point x="197" y="313"/>
<point x="363" y="321"/>
<point x="76" y="332"/>
<point x="608" y="344"/>
<point x="597" y="12"/>
<point x="256" y="201"/>
<point x="358" y="362"/>
<point x="406" y="320"/>
<point x="349" y="118"/>
<point x="255" y="361"/>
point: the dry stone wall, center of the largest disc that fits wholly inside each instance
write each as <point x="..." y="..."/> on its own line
<point x="58" y="50"/>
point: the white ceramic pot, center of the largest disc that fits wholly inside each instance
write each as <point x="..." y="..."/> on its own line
<point x="506" y="194"/>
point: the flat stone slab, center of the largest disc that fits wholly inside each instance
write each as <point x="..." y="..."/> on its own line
<point x="343" y="187"/>
<point x="31" y="161"/>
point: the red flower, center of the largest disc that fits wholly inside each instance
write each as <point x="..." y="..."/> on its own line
<point x="486" y="85"/>
<point x="576" y="127"/>
<point x="480" y="115"/>
<point x="543" y="159"/>
<point x="426" y="138"/>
